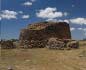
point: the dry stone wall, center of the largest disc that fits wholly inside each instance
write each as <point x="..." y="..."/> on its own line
<point x="37" y="34"/>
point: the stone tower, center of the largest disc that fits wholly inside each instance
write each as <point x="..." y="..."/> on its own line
<point x="37" y="34"/>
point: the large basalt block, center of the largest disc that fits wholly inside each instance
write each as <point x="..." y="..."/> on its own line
<point x="37" y="34"/>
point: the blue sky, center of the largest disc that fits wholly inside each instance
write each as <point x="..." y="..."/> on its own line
<point x="17" y="14"/>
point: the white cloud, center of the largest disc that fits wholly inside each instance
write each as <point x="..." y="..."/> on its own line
<point x="63" y="21"/>
<point x="27" y="3"/>
<point x="84" y="29"/>
<point x="73" y="5"/>
<point x="56" y="20"/>
<point x="0" y="18"/>
<point x="52" y="20"/>
<point x="80" y="28"/>
<point x="7" y="14"/>
<point x="21" y="12"/>
<point x="66" y="20"/>
<point x="33" y="0"/>
<point x="25" y="16"/>
<point x="50" y="13"/>
<point x="66" y="14"/>
<point x="72" y="29"/>
<point x="85" y="34"/>
<point x="78" y="21"/>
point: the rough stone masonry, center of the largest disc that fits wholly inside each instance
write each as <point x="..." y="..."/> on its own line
<point x="37" y="34"/>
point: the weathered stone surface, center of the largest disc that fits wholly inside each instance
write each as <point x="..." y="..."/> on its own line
<point x="73" y="44"/>
<point x="54" y="43"/>
<point x="7" y="44"/>
<point x="37" y="34"/>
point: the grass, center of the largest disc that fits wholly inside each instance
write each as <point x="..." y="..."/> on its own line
<point x="44" y="59"/>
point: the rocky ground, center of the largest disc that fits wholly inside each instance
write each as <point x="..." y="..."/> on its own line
<point x="43" y="59"/>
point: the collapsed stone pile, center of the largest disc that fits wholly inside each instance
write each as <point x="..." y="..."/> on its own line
<point x="7" y="44"/>
<point x="54" y="43"/>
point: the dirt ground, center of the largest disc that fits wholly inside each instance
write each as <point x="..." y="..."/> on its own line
<point x="44" y="59"/>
